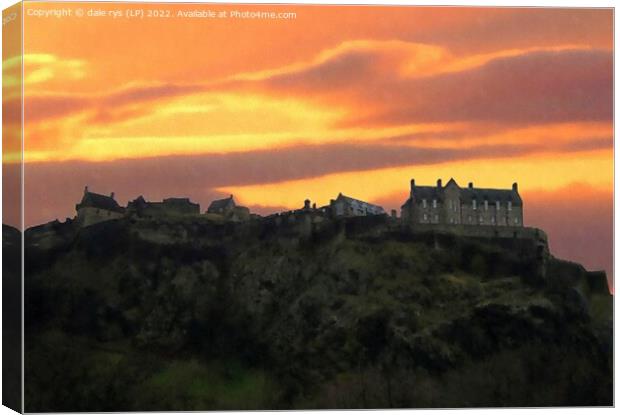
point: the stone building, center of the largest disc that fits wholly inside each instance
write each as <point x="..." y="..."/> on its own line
<point x="452" y="205"/>
<point x="222" y="206"/>
<point x="228" y="209"/>
<point x="95" y="208"/>
<point x="347" y="206"/>
<point x="174" y="206"/>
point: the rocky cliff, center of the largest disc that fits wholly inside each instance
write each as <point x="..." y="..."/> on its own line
<point x="359" y="313"/>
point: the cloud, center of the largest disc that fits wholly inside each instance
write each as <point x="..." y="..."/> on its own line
<point x="395" y="82"/>
<point x="201" y="175"/>
<point x="495" y="28"/>
<point x="40" y="68"/>
<point x="538" y="86"/>
<point x="115" y="106"/>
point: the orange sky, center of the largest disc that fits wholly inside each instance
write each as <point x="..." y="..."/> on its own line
<point x="339" y="98"/>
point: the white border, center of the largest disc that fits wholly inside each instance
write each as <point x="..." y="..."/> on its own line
<point x="488" y="3"/>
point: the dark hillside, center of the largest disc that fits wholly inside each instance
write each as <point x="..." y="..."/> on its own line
<point x="11" y="317"/>
<point x="181" y="315"/>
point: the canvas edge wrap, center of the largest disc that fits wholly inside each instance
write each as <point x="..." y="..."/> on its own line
<point x="12" y="208"/>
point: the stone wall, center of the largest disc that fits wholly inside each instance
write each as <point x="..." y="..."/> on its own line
<point x="490" y="213"/>
<point x="161" y="209"/>
<point x="452" y="212"/>
<point x="89" y="215"/>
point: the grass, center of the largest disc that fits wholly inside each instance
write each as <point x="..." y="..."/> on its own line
<point x="195" y="385"/>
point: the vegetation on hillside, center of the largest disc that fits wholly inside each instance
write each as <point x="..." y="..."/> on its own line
<point x="201" y="316"/>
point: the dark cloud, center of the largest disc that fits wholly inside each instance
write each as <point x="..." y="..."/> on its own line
<point x="506" y="28"/>
<point x="535" y="87"/>
<point x="115" y="106"/>
<point x="596" y="143"/>
<point x="142" y="94"/>
<point x="38" y="108"/>
<point x="53" y="187"/>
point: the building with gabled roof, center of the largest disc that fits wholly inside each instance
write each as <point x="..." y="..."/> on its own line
<point x="95" y="208"/>
<point x="229" y="210"/>
<point x="348" y="206"/>
<point x="222" y="206"/>
<point x="452" y="205"/>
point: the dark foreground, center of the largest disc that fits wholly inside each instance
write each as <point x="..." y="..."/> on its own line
<point x="179" y="315"/>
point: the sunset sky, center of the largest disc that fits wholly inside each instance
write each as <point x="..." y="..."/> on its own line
<point x="346" y="99"/>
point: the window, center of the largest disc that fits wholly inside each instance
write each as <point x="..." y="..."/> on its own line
<point x="449" y="204"/>
<point x="469" y="219"/>
<point x="516" y="221"/>
<point x="434" y="203"/>
<point x="474" y="205"/>
<point x="424" y="203"/>
<point x="425" y="216"/>
<point x="486" y="205"/>
<point x="436" y="218"/>
<point x="509" y="205"/>
<point x="497" y="205"/>
<point x="493" y="220"/>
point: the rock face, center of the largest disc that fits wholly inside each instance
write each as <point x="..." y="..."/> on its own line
<point x="353" y="313"/>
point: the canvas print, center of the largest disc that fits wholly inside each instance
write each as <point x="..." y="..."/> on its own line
<point x="287" y="206"/>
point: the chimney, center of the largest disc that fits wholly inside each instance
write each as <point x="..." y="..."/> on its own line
<point x="85" y="189"/>
<point x="112" y="195"/>
<point x="412" y="187"/>
<point x="314" y="206"/>
<point x="470" y="185"/>
<point x="394" y="213"/>
<point x="515" y="187"/>
<point x="438" y="182"/>
<point x="307" y="204"/>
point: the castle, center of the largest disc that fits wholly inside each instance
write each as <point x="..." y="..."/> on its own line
<point x="229" y="209"/>
<point x="95" y="208"/>
<point x="427" y="205"/>
<point x="453" y="205"/>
